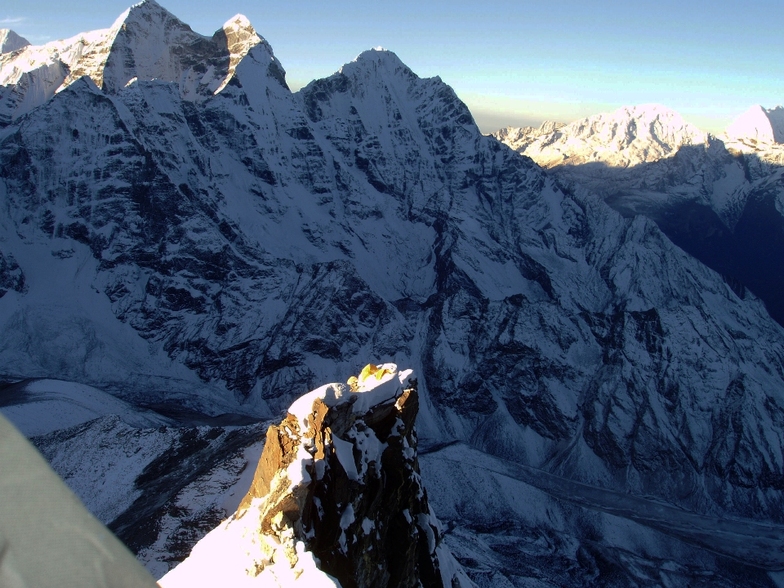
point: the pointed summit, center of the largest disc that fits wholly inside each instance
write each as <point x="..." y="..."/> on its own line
<point x="239" y="22"/>
<point x="145" y="10"/>
<point x="146" y="42"/>
<point x="10" y="41"/>
<point x="240" y="37"/>
<point x="378" y="56"/>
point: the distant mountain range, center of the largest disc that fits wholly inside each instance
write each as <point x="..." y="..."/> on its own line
<point x="184" y="233"/>
<point x="720" y="199"/>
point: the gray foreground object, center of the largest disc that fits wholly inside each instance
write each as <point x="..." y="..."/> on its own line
<point x="47" y="537"/>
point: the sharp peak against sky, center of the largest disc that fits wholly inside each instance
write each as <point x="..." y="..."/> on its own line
<point x="513" y="63"/>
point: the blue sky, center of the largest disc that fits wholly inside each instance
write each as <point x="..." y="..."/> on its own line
<point x="513" y="62"/>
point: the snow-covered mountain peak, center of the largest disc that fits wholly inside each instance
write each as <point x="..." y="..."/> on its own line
<point x="148" y="42"/>
<point x="10" y="41"/>
<point x="150" y="21"/>
<point x="638" y="129"/>
<point x="239" y="23"/>
<point x="628" y="136"/>
<point x="758" y="125"/>
<point x="145" y="10"/>
<point x="549" y="126"/>
<point x="524" y="135"/>
<point x="373" y="58"/>
<point x="145" y="43"/>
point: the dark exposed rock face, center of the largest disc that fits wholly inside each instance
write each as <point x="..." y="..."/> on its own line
<point x="11" y="275"/>
<point x="340" y="475"/>
<point x="364" y="513"/>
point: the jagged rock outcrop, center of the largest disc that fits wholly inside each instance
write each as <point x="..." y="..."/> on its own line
<point x="11" y="275"/>
<point x="338" y="484"/>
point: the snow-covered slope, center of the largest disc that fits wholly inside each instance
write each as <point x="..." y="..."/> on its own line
<point x="38" y="407"/>
<point x="514" y="523"/>
<point x="159" y="489"/>
<point x="228" y="253"/>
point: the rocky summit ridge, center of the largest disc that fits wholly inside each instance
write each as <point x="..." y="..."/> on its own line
<point x="214" y="258"/>
<point x="337" y="499"/>
<point x="146" y="42"/>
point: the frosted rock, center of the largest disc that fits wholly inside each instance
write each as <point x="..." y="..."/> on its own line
<point x="359" y="529"/>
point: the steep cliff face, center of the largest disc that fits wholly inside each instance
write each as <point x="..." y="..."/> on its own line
<point x="338" y="484"/>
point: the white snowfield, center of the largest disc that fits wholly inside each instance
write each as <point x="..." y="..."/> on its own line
<point x="226" y="557"/>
